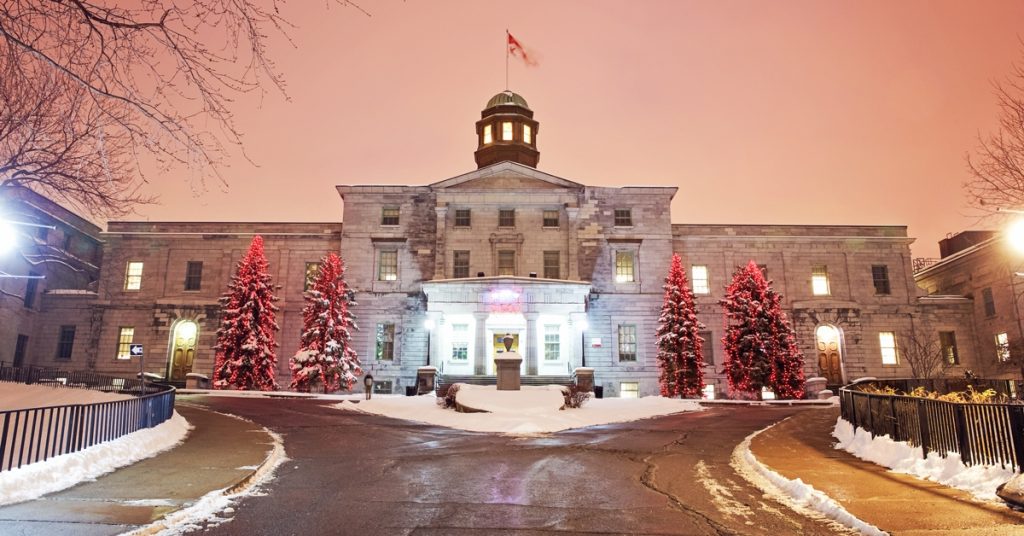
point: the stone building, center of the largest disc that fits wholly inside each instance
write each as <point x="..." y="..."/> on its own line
<point x="572" y="272"/>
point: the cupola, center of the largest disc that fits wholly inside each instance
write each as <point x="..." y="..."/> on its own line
<point x="506" y="131"/>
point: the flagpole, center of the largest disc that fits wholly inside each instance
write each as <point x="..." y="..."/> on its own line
<point x="506" y="59"/>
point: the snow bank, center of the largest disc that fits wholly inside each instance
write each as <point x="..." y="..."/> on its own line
<point x="20" y="396"/>
<point x="595" y="412"/>
<point x="527" y="400"/>
<point x="979" y="480"/>
<point x="61" y="472"/>
<point x="794" y="493"/>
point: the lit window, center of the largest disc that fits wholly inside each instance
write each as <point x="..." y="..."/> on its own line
<point x="507" y="217"/>
<point x="506" y="131"/>
<point x="700" y="280"/>
<point x="124" y="341"/>
<point x="527" y="134"/>
<point x="880" y="277"/>
<point x="462" y="217"/>
<point x="65" y="342"/>
<point x="947" y="340"/>
<point x="767" y="394"/>
<point x="506" y="262"/>
<point x="194" y="275"/>
<point x="389" y="216"/>
<point x="819" y="280"/>
<point x="627" y="342"/>
<point x="460" y="342"/>
<point x="708" y="393"/>
<point x="624" y="267"/>
<point x="383" y="387"/>
<point x="552" y="342"/>
<point x="552" y="265"/>
<point x="386" y="342"/>
<point x="623" y="217"/>
<point x="460" y="264"/>
<point x="629" y="390"/>
<point x="550" y="218"/>
<point x="133" y="276"/>
<point x="1003" y="347"/>
<point x="488" y="135"/>
<point x="387" y="266"/>
<point x="312" y="271"/>
<point x="887" y="341"/>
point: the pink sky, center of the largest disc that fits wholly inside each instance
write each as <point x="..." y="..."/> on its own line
<point x="803" y="112"/>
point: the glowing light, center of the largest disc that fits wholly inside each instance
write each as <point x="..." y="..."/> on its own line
<point x="506" y="131"/>
<point x="1015" y="235"/>
<point x="767" y="394"/>
<point x="428" y="324"/>
<point x="488" y="136"/>
<point x="186" y="330"/>
<point x="583" y="324"/>
<point x="503" y="295"/>
<point x="527" y="134"/>
<point x="709" y="392"/>
<point x="8" y="237"/>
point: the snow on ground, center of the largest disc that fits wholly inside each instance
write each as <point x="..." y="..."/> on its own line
<point x="528" y="400"/>
<point x="979" y="480"/>
<point x="512" y="421"/>
<point x="61" y="472"/>
<point x="795" y="493"/>
<point x="20" y="396"/>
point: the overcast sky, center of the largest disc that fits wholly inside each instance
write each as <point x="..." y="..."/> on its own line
<point x="803" y="112"/>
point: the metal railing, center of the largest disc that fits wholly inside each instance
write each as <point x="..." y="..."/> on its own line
<point x="981" y="433"/>
<point x="37" y="434"/>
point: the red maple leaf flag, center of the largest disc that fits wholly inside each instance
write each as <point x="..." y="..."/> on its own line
<point x="516" y="49"/>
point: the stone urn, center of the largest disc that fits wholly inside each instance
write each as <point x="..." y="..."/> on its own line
<point x="508" y="365"/>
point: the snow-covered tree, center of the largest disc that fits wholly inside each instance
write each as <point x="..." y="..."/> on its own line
<point x="245" y="341"/>
<point x="680" y="348"/>
<point x="760" y="346"/>
<point x="326" y="356"/>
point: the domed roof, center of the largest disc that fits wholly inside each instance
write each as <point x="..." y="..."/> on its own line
<point x="507" y="97"/>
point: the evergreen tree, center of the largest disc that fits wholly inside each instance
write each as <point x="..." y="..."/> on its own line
<point x="326" y="355"/>
<point x="680" y="348"/>
<point x="760" y="345"/>
<point x="245" y="341"/>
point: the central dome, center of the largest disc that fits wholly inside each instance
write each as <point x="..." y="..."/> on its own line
<point x="507" y="97"/>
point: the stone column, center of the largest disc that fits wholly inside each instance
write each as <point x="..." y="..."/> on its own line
<point x="480" y="349"/>
<point x="573" y="214"/>
<point x="578" y="343"/>
<point x="531" y="343"/>
<point x="440" y="258"/>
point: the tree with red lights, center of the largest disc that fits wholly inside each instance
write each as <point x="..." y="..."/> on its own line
<point x="680" y="348"/>
<point x="245" y="341"/>
<point x="326" y="356"/>
<point x="760" y="346"/>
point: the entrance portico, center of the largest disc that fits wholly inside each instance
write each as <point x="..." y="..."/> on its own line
<point x="545" y="318"/>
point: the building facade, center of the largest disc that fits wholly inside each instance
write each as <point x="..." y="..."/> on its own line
<point x="573" y="273"/>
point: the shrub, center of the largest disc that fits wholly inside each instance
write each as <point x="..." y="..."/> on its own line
<point x="447" y="398"/>
<point x="575" y="396"/>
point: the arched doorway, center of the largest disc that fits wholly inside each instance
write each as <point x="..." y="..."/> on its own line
<point x="183" y="350"/>
<point x="830" y="354"/>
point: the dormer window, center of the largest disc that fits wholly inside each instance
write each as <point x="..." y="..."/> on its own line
<point x="488" y="135"/>
<point x="506" y="131"/>
<point x="527" y="134"/>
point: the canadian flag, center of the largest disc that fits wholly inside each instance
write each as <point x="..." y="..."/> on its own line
<point x="517" y="49"/>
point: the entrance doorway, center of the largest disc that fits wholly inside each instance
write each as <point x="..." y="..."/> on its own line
<point x="183" y="350"/>
<point x="830" y="358"/>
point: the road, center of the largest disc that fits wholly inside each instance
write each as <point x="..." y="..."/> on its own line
<point x="352" y="473"/>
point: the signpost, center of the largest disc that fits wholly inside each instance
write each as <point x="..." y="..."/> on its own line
<point x="135" y="350"/>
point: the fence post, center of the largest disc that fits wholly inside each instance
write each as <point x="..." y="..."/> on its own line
<point x="852" y="396"/>
<point x="895" y="421"/>
<point x="922" y="426"/>
<point x="962" y="440"/>
<point x="1017" y="432"/>
<point x="871" y="418"/>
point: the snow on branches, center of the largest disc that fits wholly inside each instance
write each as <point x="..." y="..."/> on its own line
<point x="246" y="357"/>
<point x="326" y="357"/>
<point x="680" y="348"/>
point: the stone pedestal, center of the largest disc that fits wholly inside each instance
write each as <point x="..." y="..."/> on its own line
<point x="508" y="365"/>
<point x="426" y="380"/>
<point x="194" y="380"/>
<point x="583" y="377"/>
<point x="812" y="386"/>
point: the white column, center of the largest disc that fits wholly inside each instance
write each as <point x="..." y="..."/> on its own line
<point x="480" y="349"/>
<point x="531" y="343"/>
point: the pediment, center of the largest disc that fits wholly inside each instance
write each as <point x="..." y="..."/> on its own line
<point x="505" y="182"/>
<point x="506" y="176"/>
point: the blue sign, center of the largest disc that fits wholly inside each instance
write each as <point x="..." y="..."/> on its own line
<point x="135" y="350"/>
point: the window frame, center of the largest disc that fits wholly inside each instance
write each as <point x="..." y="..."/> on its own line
<point x="463" y="214"/>
<point x="133" y="281"/>
<point x="555" y="345"/>
<point x="894" y="354"/>
<point x="389" y="268"/>
<point x="312" y="272"/>
<point x="65" y="345"/>
<point x="508" y="131"/>
<point x="124" y="344"/>
<point x="387" y="219"/>
<point x="700" y="288"/>
<point x="31" y="290"/>
<point x="384" y="341"/>
<point x="626" y="338"/>
<point x="507" y="218"/>
<point x="708" y="346"/>
<point x="819" y="275"/>
<point x="547" y="219"/>
<point x="527" y="134"/>
<point x="488" y="134"/>
<point x="460" y="344"/>
<point x="190" y="277"/>
<point x="988" y="302"/>
<point x="1002" y="341"/>
<point x="456" y="267"/>
<point x="635" y="393"/>
<point x="880" y="279"/>
<point x="625" y="273"/>
<point x="552" y="260"/>
<point x="504" y="254"/>
<point x="623" y="217"/>
<point x="947" y="345"/>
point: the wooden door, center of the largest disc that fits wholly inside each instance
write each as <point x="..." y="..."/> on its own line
<point x="183" y="354"/>
<point x="830" y="361"/>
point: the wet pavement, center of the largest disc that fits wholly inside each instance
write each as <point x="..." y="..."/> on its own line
<point x="353" y="473"/>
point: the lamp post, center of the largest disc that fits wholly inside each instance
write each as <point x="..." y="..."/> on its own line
<point x="583" y="341"/>
<point x="9" y="240"/>
<point x="428" y="325"/>
<point x="1014" y="235"/>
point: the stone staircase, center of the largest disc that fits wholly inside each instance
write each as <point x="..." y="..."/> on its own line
<point x="444" y="380"/>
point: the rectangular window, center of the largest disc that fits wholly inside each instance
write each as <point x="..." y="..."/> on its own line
<point x="552" y="265"/>
<point x="989" y="301"/>
<point x="460" y="342"/>
<point x="623" y="217"/>
<point x="387" y="265"/>
<point x="31" y="288"/>
<point x="552" y="342"/>
<point x="124" y="339"/>
<point x="629" y="390"/>
<point x="627" y="342"/>
<point x="20" y="347"/>
<point x="133" y="276"/>
<point x="65" y="342"/>
<point x="507" y="217"/>
<point x="880" y="276"/>
<point x="460" y="264"/>
<point x="819" y="280"/>
<point x="527" y="134"/>
<point x="701" y="285"/>
<point x="550" y="218"/>
<point x="506" y="262"/>
<point x="488" y="135"/>
<point x="462" y="217"/>
<point x="887" y="341"/>
<point x="506" y="131"/>
<point x="947" y="341"/>
<point x="709" y="347"/>
<point x="389" y="216"/>
<point x="385" y="342"/>
<point x="1002" y="347"/>
<point x="193" y="275"/>
<point x="383" y="387"/>
<point x="312" y="271"/>
<point x="624" y="267"/>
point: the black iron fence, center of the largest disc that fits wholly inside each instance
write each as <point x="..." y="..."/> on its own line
<point x="37" y="434"/>
<point x="982" y="433"/>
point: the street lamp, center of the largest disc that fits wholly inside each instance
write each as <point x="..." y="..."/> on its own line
<point x="428" y="325"/>
<point x="8" y="237"/>
<point x="1015" y="235"/>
